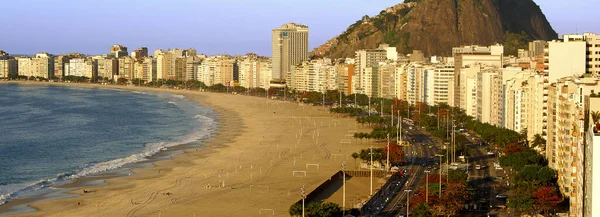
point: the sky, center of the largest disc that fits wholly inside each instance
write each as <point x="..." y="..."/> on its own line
<point x="209" y="26"/>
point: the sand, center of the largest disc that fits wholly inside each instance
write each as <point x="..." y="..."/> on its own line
<point x="246" y="168"/>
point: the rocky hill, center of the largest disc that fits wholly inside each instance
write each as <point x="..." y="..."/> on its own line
<point x="435" y="26"/>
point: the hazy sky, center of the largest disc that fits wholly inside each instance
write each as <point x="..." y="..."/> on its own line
<point x="210" y="26"/>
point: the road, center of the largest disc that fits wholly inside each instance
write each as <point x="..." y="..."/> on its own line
<point x="419" y="157"/>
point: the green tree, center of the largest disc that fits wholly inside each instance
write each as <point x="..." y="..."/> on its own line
<point x="295" y="209"/>
<point x="422" y="210"/>
<point x="538" y="141"/>
<point x="457" y="176"/>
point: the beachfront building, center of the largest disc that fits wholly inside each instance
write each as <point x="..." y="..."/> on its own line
<point x="59" y="66"/>
<point x="82" y="67"/>
<point x="443" y="75"/>
<point x="42" y="65"/>
<point x="565" y="143"/>
<point x="368" y="58"/>
<point x="8" y="65"/>
<point x="24" y="66"/>
<point x="289" y="45"/>
<point x="140" y="53"/>
<point x="345" y="73"/>
<point x="126" y="67"/>
<point x="107" y="67"/>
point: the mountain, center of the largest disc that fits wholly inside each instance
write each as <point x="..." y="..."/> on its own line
<point x="435" y="26"/>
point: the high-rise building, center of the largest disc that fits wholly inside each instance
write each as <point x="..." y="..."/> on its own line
<point x="441" y="91"/>
<point x="592" y="55"/>
<point x="489" y="97"/>
<point x="592" y="160"/>
<point x="368" y="58"/>
<point x="565" y="58"/>
<point x="140" y="53"/>
<point x="42" y="65"/>
<point x="107" y="68"/>
<point x="59" y="66"/>
<point x="469" y="55"/>
<point x="82" y="67"/>
<point x="345" y="73"/>
<point x="24" y="66"/>
<point x="8" y="65"/>
<point x="565" y="143"/>
<point x="126" y="67"/>
<point x="118" y="51"/>
<point x="536" y="48"/>
<point x="289" y="48"/>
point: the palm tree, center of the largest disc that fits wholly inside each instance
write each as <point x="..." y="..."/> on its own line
<point x="538" y="140"/>
<point x="355" y="156"/>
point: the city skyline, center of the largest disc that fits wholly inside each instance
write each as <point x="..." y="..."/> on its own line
<point x="168" y="26"/>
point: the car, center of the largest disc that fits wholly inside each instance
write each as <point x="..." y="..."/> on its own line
<point x="501" y="196"/>
<point x="477" y="167"/>
<point x="490" y="153"/>
<point x="501" y="206"/>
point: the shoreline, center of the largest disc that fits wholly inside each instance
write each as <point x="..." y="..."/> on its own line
<point x="185" y="183"/>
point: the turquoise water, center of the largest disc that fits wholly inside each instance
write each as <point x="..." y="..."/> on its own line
<point x="50" y="135"/>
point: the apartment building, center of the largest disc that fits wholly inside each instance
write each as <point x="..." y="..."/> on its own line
<point x="126" y="67"/>
<point x="24" y="66"/>
<point x="118" y="51"/>
<point x="489" y="97"/>
<point x="345" y="73"/>
<point x="366" y="59"/>
<point x="592" y="50"/>
<point x="107" y="67"/>
<point x="592" y="161"/>
<point x="525" y="103"/>
<point x="82" y="67"/>
<point x="42" y="65"/>
<point x="442" y="75"/>
<point x="8" y="65"/>
<point x="59" y="65"/>
<point x="470" y="55"/>
<point x="565" y="58"/>
<point x="565" y="143"/>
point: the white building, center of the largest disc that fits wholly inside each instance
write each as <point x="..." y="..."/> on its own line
<point x="565" y="58"/>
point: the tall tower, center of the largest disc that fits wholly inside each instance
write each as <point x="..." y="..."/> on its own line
<point x="289" y="47"/>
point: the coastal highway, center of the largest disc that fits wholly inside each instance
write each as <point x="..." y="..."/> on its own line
<point x="419" y="157"/>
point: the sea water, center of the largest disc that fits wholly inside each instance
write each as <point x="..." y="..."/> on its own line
<point x="50" y="135"/>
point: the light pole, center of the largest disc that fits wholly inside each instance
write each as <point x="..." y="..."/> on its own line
<point x="427" y="187"/>
<point x="453" y="142"/>
<point x="341" y="99"/>
<point x="439" y="155"/>
<point x="302" y="193"/>
<point x="399" y="132"/>
<point x="387" y="165"/>
<point x="344" y="190"/>
<point x="371" y="192"/>
<point x="407" y="200"/>
<point x="369" y="107"/>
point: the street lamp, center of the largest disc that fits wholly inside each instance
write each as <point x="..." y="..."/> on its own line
<point x="387" y="165"/>
<point x="371" y="192"/>
<point x="439" y="155"/>
<point x="427" y="187"/>
<point x="344" y="190"/>
<point x="303" y="196"/>
<point x="407" y="200"/>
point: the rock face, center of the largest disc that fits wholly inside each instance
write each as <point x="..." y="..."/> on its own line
<point x="435" y="26"/>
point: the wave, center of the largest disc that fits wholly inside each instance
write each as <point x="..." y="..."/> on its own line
<point x="171" y="102"/>
<point x="207" y="127"/>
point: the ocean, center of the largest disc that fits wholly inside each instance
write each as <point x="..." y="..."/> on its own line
<point x="51" y="135"/>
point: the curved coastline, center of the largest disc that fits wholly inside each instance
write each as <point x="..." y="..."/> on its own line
<point x="93" y="174"/>
<point x="258" y="143"/>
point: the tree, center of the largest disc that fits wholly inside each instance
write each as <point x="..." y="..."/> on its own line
<point x="545" y="198"/>
<point x="538" y="140"/>
<point x="521" y="202"/>
<point x="295" y="209"/>
<point x="122" y="81"/>
<point x="457" y="176"/>
<point x="422" y="210"/>
<point x="355" y="156"/>
<point x="396" y="153"/>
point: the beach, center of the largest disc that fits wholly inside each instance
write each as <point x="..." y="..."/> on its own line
<point x="245" y="169"/>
